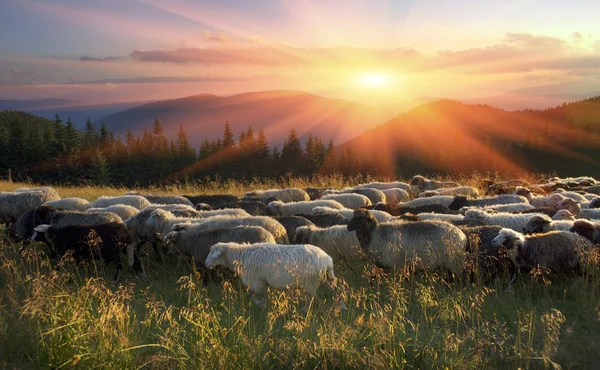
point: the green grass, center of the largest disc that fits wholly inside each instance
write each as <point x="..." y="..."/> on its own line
<point x="74" y="318"/>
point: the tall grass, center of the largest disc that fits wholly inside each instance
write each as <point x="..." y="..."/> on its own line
<point x="74" y="318"/>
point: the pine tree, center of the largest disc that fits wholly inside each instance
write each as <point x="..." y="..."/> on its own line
<point x="161" y="167"/>
<point x="205" y="149"/>
<point x="100" y="169"/>
<point x="91" y="135"/>
<point x="59" y="144"/>
<point x="291" y="155"/>
<point x="228" y="140"/>
<point x="71" y="137"/>
<point x="262" y="155"/>
<point x="104" y="134"/>
<point x="17" y="146"/>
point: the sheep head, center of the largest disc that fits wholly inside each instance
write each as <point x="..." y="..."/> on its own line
<point x="216" y="256"/>
<point x="303" y="235"/>
<point x="538" y="224"/>
<point x="203" y="207"/>
<point x="275" y="208"/>
<point x="508" y="239"/>
<point x="570" y="205"/>
<point x="42" y="233"/>
<point x="43" y="214"/>
<point x="595" y="203"/>
<point x="458" y="202"/>
<point x="475" y="215"/>
<point x="417" y="180"/>
<point x="587" y="229"/>
<point x="564" y="214"/>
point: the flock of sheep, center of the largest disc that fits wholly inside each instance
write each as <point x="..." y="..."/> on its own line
<point x="281" y="237"/>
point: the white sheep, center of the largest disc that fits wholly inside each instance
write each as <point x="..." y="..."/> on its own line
<point x="351" y="201"/>
<point x="136" y="201"/>
<point x="167" y="199"/>
<point x="550" y="200"/>
<point x="233" y="212"/>
<point x="439" y="217"/>
<point x="543" y="224"/>
<point x="265" y="265"/>
<point x="386" y="185"/>
<point x="444" y="200"/>
<point x="336" y="241"/>
<point x="467" y="191"/>
<point x="426" y="184"/>
<point x="512" y="207"/>
<point x="14" y="204"/>
<point x="122" y="210"/>
<point x="590" y="213"/>
<point x="161" y="222"/>
<point x="395" y="196"/>
<point x="75" y="204"/>
<point x="563" y="215"/>
<point x="426" y="245"/>
<point x="573" y="195"/>
<point x="284" y="195"/>
<point x="380" y="216"/>
<point x="507" y="220"/>
<point x="225" y="222"/>
<point x="278" y="208"/>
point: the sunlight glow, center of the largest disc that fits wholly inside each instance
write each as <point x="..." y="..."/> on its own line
<point x="375" y="79"/>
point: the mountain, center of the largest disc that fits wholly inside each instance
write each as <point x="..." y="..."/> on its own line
<point x="277" y="112"/>
<point x="452" y="137"/>
<point x="79" y="112"/>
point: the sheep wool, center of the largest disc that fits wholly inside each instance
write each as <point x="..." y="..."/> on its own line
<point x="278" y="208"/>
<point x="351" y="201"/>
<point x="75" y="204"/>
<point x="136" y="201"/>
<point x="122" y="210"/>
<point x="284" y="195"/>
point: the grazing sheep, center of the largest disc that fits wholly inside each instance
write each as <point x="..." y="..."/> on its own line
<point x="587" y="229"/>
<point x="279" y="208"/>
<point x="590" y="214"/>
<point x="105" y="242"/>
<point x="568" y="204"/>
<point x="122" y="210"/>
<point x="504" y="187"/>
<point x="266" y="265"/>
<point x="336" y="241"/>
<point x="439" y="216"/>
<point x="136" y="201"/>
<point x="75" y="204"/>
<point x="563" y="215"/>
<point x="460" y="201"/>
<point x="573" y="195"/>
<point x="351" y="201"/>
<point x="386" y="185"/>
<point x="22" y="228"/>
<point x="285" y="195"/>
<point x="399" y="210"/>
<point x="395" y="196"/>
<point x="380" y="216"/>
<point x="51" y="216"/>
<point x="433" y="244"/>
<point x="467" y="191"/>
<point x="161" y="222"/>
<point x="543" y="224"/>
<point x="197" y="245"/>
<point x="558" y="251"/>
<point x="168" y="199"/>
<point x="514" y="207"/>
<point x="425" y="184"/>
<point x="374" y="195"/>
<point x="326" y="219"/>
<point x="291" y="223"/>
<point x="550" y="200"/>
<point x="507" y="220"/>
<point x="225" y="222"/>
<point x="233" y="212"/>
<point x="253" y="207"/>
<point x="14" y="205"/>
<point x="215" y="201"/>
<point x="444" y="200"/>
<point x="315" y="193"/>
<point x="482" y="256"/>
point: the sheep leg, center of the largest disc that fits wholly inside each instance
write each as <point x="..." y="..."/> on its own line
<point x="508" y="288"/>
<point x="330" y="284"/>
<point x="258" y="292"/>
<point x="139" y="245"/>
<point x="157" y="251"/>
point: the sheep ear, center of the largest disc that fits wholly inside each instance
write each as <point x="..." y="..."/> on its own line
<point x="217" y="253"/>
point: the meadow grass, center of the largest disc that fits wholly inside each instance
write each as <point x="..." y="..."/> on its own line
<point x="75" y="318"/>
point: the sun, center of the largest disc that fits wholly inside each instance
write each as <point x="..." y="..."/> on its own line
<point x="375" y="79"/>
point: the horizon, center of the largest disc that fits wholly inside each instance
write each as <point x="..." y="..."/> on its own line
<point x="371" y="52"/>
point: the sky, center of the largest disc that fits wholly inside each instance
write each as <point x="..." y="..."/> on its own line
<point x="373" y="51"/>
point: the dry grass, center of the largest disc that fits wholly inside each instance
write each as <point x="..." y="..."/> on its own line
<point x="73" y="318"/>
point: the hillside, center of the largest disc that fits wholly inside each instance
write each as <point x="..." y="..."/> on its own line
<point x="452" y="137"/>
<point x="277" y="112"/>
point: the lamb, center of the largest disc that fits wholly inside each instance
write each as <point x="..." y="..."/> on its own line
<point x="279" y="208"/>
<point x="284" y="195"/>
<point x="197" y="245"/>
<point x="51" y="216"/>
<point x="105" y="242"/>
<point x="587" y="229"/>
<point x="483" y="257"/>
<point x="351" y="201"/>
<point x="224" y="222"/>
<point x="75" y="204"/>
<point x="168" y="199"/>
<point x="444" y="200"/>
<point x="326" y="219"/>
<point x="436" y="244"/>
<point x="336" y="241"/>
<point x="253" y="207"/>
<point x="395" y="196"/>
<point x="215" y="201"/>
<point x="386" y="185"/>
<point x="266" y="265"/>
<point x="380" y="216"/>
<point x="558" y="251"/>
<point x="136" y="201"/>
<point x="460" y="201"/>
<point x="467" y="191"/>
<point x="590" y="214"/>
<point x="563" y="215"/>
<point x="122" y="210"/>
<point x="425" y="184"/>
<point x="399" y="210"/>
<point x="291" y="223"/>
<point x="506" y="220"/>
<point x="14" y="205"/>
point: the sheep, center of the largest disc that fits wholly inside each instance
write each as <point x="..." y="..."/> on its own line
<point x="51" y="216"/>
<point x="278" y="208"/>
<point x="136" y="201"/>
<point x="224" y="222"/>
<point x="197" y="245"/>
<point x="467" y="191"/>
<point x="444" y="200"/>
<point x="253" y="207"/>
<point x="326" y="219"/>
<point x="438" y="245"/>
<point x="460" y="201"/>
<point x="167" y="199"/>
<point x="550" y="200"/>
<point x="439" y="216"/>
<point x="266" y="265"/>
<point x="105" y="242"/>
<point x="386" y="185"/>
<point x="590" y="213"/>
<point x="563" y="215"/>
<point x="544" y="224"/>
<point x="507" y="220"/>
<point x="503" y="187"/>
<point x="75" y="204"/>
<point x="315" y="193"/>
<point x="594" y="203"/>
<point x="425" y="184"/>
<point x="587" y="229"/>
<point x="122" y="210"/>
<point x="483" y="257"/>
<point x="351" y="201"/>
<point x="233" y="212"/>
<point x="380" y="216"/>
<point x="399" y="210"/>
<point x="512" y="207"/>
<point x="374" y="195"/>
<point x="569" y="205"/>
<point x="557" y="251"/>
<point x="22" y="228"/>
<point x="215" y="201"/>
<point x="14" y="204"/>
<point x="573" y="195"/>
<point x="285" y="195"/>
<point x="161" y="222"/>
<point x="395" y="196"/>
<point x="336" y="241"/>
<point x="291" y="223"/>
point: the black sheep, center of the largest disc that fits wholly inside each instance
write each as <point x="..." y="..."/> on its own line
<point x="215" y="201"/>
<point x="483" y="256"/>
<point x="291" y="223"/>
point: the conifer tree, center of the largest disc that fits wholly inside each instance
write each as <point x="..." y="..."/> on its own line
<point x="71" y="137"/>
<point x="228" y="140"/>
<point x="291" y="154"/>
<point x="91" y="135"/>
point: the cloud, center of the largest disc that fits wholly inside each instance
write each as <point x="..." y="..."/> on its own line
<point x="20" y="77"/>
<point x="95" y="59"/>
<point x="217" y="38"/>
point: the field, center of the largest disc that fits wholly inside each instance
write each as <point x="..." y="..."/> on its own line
<point x="74" y="318"/>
